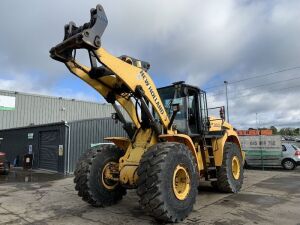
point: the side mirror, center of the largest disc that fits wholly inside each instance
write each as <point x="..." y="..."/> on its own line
<point x="222" y="113"/>
<point x="176" y="109"/>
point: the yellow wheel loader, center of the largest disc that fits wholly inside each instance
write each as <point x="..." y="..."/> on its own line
<point x="172" y="143"/>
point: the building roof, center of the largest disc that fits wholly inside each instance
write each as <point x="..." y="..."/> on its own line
<point x="54" y="124"/>
<point x="48" y="96"/>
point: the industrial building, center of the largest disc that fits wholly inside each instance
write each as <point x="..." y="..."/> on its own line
<point x="54" y="129"/>
<point x="57" y="146"/>
<point x="22" y="109"/>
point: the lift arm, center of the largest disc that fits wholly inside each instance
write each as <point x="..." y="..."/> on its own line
<point x="117" y="79"/>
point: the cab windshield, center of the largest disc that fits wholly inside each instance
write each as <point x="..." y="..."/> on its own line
<point x="170" y="96"/>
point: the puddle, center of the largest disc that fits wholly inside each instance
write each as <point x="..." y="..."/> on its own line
<point x="289" y="184"/>
<point x="23" y="176"/>
<point x="259" y="200"/>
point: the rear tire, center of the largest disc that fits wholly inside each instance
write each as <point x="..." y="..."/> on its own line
<point x="231" y="174"/>
<point x="288" y="164"/>
<point x="168" y="180"/>
<point x="89" y="176"/>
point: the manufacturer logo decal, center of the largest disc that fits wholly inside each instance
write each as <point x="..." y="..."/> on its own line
<point x="155" y="98"/>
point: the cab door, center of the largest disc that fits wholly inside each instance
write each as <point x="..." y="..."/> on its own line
<point x="197" y="112"/>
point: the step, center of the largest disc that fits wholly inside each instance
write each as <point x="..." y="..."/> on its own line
<point x="210" y="168"/>
<point x="213" y="179"/>
<point x="208" y="146"/>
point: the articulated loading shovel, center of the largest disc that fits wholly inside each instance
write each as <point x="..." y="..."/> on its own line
<point x="172" y="143"/>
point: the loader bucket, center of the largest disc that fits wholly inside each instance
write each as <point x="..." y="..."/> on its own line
<point x="86" y="36"/>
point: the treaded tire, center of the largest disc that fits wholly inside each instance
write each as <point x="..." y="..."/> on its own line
<point x="88" y="172"/>
<point x="155" y="183"/>
<point x="226" y="182"/>
<point x="292" y="165"/>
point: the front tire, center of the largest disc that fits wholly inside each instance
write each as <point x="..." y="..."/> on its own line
<point x="168" y="180"/>
<point x="90" y="181"/>
<point x="231" y="173"/>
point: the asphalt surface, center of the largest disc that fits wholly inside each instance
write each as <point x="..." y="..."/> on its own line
<point x="267" y="197"/>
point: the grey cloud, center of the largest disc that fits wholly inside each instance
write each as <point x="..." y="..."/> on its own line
<point x="185" y="40"/>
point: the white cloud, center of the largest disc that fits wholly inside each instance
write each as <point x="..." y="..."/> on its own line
<point x="183" y="40"/>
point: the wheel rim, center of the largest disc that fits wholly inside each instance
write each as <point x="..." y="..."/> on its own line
<point x="235" y="165"/>
<point x="181" y="182"/>
<point x="288" y="164"/>
<point x="107" y="178"/>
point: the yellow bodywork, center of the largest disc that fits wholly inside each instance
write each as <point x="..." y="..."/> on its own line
<point x="131" y="76"/>
<point x="125" y="74"/>
<point x="230" y="135"/>
<point x="124" y="82"/>
<point x="172" y="142"/>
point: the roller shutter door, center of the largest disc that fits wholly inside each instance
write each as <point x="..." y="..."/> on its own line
<point x="49" y="141"/>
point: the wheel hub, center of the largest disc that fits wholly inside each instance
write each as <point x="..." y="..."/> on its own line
<point x="235" y="165"/>
<point x="288" y="164"/>
<point x="110" y="175"/>
<point x="181" y="182"/>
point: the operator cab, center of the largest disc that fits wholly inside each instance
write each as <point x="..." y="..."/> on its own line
<point x="192" y="117"/>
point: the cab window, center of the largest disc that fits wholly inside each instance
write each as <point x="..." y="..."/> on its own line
<point x="192" y="113"/>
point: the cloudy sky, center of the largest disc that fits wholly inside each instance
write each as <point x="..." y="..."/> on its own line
<point x="254" y="45"/>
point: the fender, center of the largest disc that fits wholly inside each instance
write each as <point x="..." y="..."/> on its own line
<point x="218" y="145"/>
<point x="187" y="141"/>
<point x="122" y="142"/>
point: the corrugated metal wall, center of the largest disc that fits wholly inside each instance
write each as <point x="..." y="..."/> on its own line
<point x="36" y="109"/>
<point x="87" y="132"/>
<point x="83" y="134"/>
<point x="16" y="142"/>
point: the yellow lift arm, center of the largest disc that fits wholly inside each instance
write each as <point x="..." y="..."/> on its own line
<point x="128" y="78"/>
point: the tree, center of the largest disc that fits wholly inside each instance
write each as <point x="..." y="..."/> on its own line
<point x="289" y="131"/>
<point x="285" y="131"/>
<point x="274" y="129"/>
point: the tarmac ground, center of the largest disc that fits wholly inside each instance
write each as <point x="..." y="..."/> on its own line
<point x="39" y="197"/>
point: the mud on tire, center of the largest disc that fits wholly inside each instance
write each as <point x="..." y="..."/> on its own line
<point x="88" y="174"/>
<point x="226" y="181"/>
<point x="155" y="183"/>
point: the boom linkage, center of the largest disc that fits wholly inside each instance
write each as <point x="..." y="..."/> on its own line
<point x="122" y="79"/>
